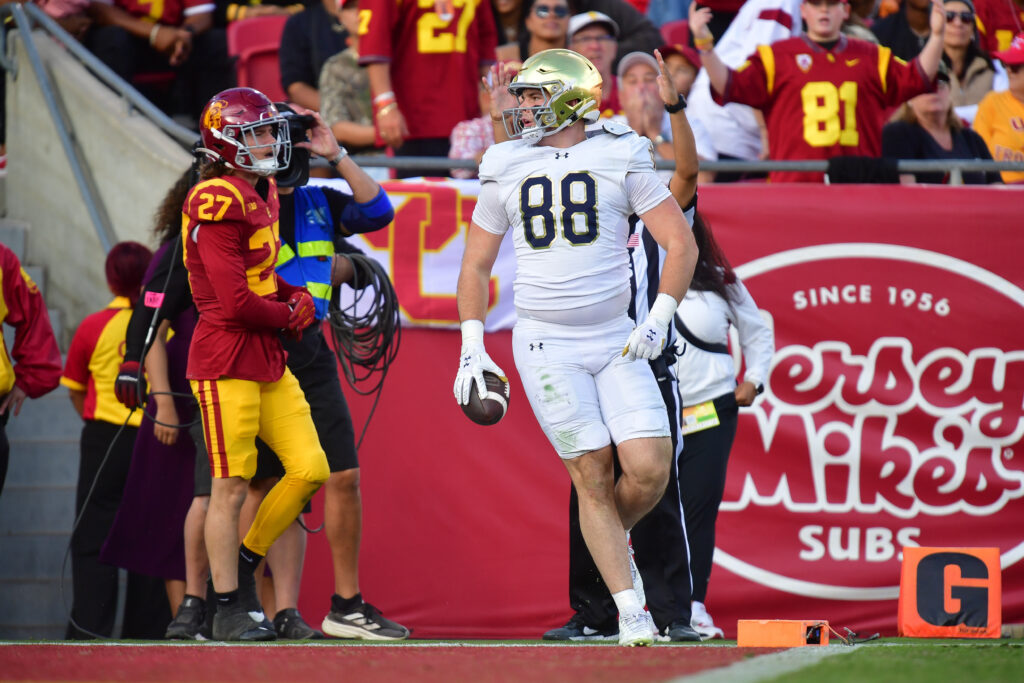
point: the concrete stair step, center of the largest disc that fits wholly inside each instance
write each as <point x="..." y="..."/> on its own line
<point x="48" y="418"/>
<point x="35" y="557"/>
<point x="37" y="611"/>
<point x="12" y="234"/>
<point x="36" y="510"/>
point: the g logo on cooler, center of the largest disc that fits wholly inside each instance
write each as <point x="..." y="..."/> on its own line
<point x="890" y="419"/>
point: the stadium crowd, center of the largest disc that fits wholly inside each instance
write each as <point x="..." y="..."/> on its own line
<point x="856" y="83"/>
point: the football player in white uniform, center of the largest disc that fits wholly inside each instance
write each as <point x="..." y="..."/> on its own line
<point x="567" y="195"/>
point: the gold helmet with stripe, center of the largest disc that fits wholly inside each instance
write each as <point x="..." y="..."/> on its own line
<point x="572" y="91"/>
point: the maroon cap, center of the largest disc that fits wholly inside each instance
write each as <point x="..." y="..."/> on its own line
<point x="689" y="53"/>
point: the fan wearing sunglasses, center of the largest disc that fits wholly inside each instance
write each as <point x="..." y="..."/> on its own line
<point x="970" y="70"/>
<point x="546" y="25"/>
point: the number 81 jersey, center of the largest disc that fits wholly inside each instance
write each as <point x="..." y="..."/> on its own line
<point x="568" y="211"/>
<point x="822" y="103"/>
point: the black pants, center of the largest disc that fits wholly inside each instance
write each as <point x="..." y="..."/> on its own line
<point x="423" y="147"/>
<point x="94" y="607"/>
<point x="207" y="71"/>
<point x="659" y="544"/>
<point x="702" y="468"/>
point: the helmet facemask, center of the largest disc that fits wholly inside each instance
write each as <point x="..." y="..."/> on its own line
<point x="561" y="108"/>
<point x="244" y="138"/>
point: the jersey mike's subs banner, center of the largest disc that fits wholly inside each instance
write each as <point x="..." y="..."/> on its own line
<point x="893" y="416"/>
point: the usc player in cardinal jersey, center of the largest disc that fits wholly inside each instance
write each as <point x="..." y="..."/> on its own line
<point x="236" y="362"/>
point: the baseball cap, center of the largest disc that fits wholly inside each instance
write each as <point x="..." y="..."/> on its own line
<point x="634" y="58"/>
<point x="685" y="51"/>
<point x="585" y="19"/>
<point x="1015" y="53"/>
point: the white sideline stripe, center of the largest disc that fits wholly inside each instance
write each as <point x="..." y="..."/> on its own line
<point x="766" y="667"/>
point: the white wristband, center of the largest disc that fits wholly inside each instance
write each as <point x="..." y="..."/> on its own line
<point x="664" y="308"/>
<point x="342" y="153"/>
<point x="472" y="331"/>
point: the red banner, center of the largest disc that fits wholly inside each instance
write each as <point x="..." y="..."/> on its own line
<point x="893" y="417"/>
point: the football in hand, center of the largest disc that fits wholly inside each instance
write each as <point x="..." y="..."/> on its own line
<point x="494" y="404"/>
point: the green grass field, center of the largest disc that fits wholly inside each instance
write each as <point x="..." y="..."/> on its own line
<point x="903" y="659"/>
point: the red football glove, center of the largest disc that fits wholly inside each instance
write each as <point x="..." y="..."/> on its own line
<point x="130" y="385"/>
<point x="303" y="311"/>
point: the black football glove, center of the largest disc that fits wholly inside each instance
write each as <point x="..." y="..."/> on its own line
<point x="130" y="385"/>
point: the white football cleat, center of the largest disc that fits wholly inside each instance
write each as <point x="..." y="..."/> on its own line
<point x="700" y="621"/>
<point x="635" y="628"/>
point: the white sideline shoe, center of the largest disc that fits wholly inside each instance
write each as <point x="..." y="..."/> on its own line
<point x="700" y="621"/>
<point x="635" y="628"/>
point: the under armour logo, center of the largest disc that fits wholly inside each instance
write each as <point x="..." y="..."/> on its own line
<point x="561" y="155"/>
<point x="651" y="335"/>
<point x="538" y="345"/>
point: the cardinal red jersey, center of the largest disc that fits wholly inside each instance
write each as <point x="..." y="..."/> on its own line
<point x="170" y="12"/>
<point x="36" y="358"/>
<point x="231" y="242"/>
<point x="822" y="103"/>
<point x="435" y="60"/>
<point x="998" y="22"/>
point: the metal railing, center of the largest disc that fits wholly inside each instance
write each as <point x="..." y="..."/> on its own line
<point x="955" y="167"/>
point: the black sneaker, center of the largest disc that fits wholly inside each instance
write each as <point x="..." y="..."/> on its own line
<point x="364" y="621"/>
<point x="249" y="599"/>
<point x="681" y="632"/>
<point x="576" y="630"/>
<point x="290" y="625"/>
<point x="233" y="622"/>
<point x="188" y="622"/>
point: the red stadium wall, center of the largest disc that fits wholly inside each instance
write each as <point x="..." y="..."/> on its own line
<point x="894" y="416"/>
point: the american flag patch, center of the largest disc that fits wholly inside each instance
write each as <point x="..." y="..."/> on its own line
<point x="633" y="241"/>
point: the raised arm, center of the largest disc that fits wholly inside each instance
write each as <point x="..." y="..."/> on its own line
<point x="683" y="184"/>
<point x="718" y="72"/>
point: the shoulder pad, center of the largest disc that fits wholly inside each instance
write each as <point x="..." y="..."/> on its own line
<point x="496" y="160"/>
<point x="216" y="200"/>
<point x="615" y="128"/>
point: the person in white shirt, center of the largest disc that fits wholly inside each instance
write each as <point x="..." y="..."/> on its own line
<point x="710" y="396"/>
<point x="567" y="196"/>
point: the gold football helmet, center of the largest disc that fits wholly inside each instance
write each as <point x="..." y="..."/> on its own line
<point x="572" y="88"/>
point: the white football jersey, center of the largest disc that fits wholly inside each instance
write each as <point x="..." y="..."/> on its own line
<point x="568" y="211"/>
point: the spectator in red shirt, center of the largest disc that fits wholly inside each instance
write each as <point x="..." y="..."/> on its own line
<point x="135" y="37"/>
<point x="36" y="368"/>
<point x="823" y="94"/>
<point x="998" y="22"/>
<point x="413" y="115"/>
<point x="108" y="435"/>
